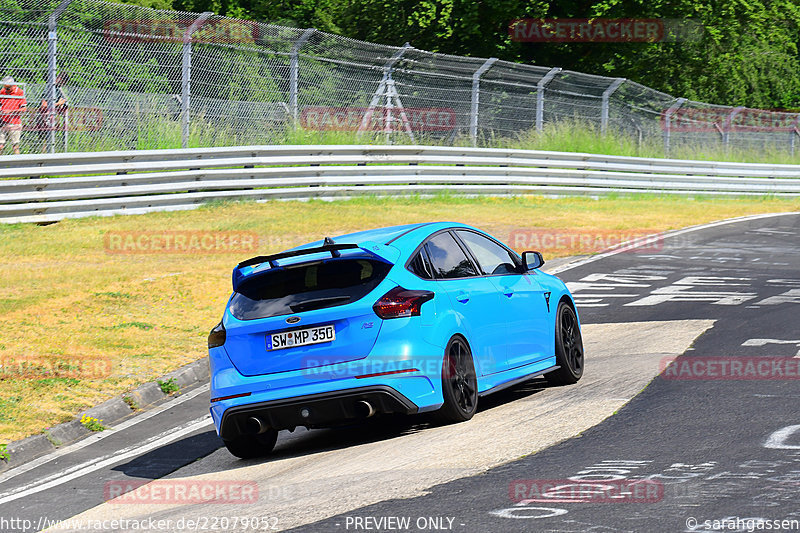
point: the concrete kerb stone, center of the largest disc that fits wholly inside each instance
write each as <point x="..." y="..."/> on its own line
<point x="111" y="412"/>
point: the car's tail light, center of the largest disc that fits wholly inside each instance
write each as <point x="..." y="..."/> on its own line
<point x="217" y="336"/>
<point x="399" y="302"/>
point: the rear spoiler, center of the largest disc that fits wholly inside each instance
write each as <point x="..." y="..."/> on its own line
<point x="377" y="250"/>
<point x="271" y="259"/>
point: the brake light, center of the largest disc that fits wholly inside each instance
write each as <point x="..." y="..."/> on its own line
<point x="399" y="302"/>
<point x="217" y="336"/>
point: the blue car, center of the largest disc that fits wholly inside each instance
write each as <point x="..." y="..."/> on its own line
<point x="405" y="319"/>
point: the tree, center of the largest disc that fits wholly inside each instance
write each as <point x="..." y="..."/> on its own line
<point x="746" y="53"/>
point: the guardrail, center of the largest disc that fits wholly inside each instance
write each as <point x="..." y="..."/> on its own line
<point x="46" y="188"/>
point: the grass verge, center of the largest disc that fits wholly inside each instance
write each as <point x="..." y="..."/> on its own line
<point x="567" y="135"/>
<point x="142" y="315"/>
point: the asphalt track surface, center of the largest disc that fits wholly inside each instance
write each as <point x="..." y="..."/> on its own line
<point x="713" y="448"/>
<point x="704" y="440"/>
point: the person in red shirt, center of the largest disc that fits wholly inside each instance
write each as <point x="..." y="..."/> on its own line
<point x="12" y="105"/>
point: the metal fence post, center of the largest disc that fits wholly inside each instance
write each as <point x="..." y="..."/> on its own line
<point x="476" y="84"/>
<point x="792" y="134"/>
<point x="604" y="103"/>
<point x="726" y="130"/>
<point x="668" y="123"/>
<point x="50" y="90"/>
<point x="186" y="75"/>
<point x="540" y="96"/>
<point x="294" y="70"/>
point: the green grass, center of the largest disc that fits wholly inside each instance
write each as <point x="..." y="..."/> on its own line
<point x="168" y="386"/>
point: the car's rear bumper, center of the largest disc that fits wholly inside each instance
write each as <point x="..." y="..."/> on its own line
<point x="402" y="366"/>
<point x="316" y="410"/>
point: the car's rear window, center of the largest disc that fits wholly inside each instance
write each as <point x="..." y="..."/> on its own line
<point x="307" y="286"/>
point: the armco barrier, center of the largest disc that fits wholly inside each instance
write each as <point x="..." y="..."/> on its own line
<point x="50" y="187"/>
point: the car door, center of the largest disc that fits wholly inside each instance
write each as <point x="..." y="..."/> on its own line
<point x="526" y="311"/>
<point x="474" y="297"/>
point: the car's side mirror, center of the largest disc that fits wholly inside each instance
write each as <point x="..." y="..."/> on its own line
<point x="532" y="260"/>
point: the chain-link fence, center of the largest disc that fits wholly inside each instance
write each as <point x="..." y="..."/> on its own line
<point x="136" y="78"/>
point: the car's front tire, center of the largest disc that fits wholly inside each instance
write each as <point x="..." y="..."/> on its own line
<point x="569" y="347"/>
<point x="252" y="446"/>
<point x="459" y="383"/>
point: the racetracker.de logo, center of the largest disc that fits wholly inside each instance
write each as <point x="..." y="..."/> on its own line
<point x="726" y="119"/>
<point x="180" y="242"/>
<point x="180" y="491"/>
<point x="213" y="30"/>
<point x="54" y="366"/>
<point x="596" y="30"/>
<point x="571" y="491"/>
<point x="586" y="241"/>
<point x="76" y="119"/>
<point x="377" y="118"/>
<point x="733" y="368"/>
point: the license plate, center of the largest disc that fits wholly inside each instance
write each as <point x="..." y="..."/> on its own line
<point x="301" y="337"/>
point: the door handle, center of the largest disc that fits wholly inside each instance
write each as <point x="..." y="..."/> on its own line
<point x="508" y="291"/>
<point x="462" y="296"/>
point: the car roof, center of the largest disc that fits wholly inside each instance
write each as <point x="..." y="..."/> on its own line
<point x="410" y="240"/>
<point x="405" y="238"/>
<point x="385" y="235"/>
<point x="402" y="237"/>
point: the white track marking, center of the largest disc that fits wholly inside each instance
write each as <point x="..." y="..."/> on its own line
<point x="778" y="439"/>
<point x="93" y="465"/>
<point x="764" y="342"/>
<point x="641" y="241"/>
<point x="103" y="434"/>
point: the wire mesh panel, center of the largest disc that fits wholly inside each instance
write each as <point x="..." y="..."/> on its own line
<point x="101" y="75"/>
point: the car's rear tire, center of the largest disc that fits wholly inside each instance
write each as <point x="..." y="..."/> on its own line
<point x="459" y="383"/>
<point x="252" y="446"/>
<point x="569" y="347"/>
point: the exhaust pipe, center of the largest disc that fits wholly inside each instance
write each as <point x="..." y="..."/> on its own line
<point x="254" y="426"/>
<point x="364" y="409"/>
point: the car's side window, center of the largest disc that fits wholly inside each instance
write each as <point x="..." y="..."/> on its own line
<point x="419" y="266"/>
<point x="492" y="258"/>
<point x="447" y="258"/>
